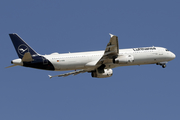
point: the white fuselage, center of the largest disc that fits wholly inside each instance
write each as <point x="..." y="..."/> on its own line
<point x="88" y="60"/>
<point x="98" y="63"/>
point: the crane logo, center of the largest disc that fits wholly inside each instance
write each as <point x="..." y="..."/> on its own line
<point x="22" y="49"/>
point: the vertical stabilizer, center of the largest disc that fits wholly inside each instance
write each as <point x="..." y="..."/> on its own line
<point x="21" y="46"/>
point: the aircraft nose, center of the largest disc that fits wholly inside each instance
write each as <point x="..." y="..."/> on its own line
<point x="173" y="55"/>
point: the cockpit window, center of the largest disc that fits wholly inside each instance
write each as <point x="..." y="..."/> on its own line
<point x="167" y="50"/>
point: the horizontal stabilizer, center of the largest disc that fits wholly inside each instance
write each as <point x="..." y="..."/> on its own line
<point x="11" y="66"/>
<point x="27" y="57"/>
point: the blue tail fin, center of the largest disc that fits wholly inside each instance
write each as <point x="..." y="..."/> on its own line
<point x="21" y="46"/>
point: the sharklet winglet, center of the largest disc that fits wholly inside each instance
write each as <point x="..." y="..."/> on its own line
<point x="50" y="76"/>
<point x="111" y="35"/>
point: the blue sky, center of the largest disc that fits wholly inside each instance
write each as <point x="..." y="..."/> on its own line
<point x="145" y="92"/>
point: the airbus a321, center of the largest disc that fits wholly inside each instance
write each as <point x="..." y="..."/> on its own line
<point x="98" y="63"/>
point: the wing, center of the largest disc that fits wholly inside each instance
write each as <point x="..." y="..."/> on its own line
<point x="111" y="51"/>
<point x="70" y="73"/>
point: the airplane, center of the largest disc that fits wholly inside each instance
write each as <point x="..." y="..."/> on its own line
<point x="98" y="63"/>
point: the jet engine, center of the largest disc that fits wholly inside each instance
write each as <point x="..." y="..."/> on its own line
<point x="123" y="59"/>
<point x="102" y="73"/>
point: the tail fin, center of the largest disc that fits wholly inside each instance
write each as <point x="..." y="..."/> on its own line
<point x="21" y="46"/>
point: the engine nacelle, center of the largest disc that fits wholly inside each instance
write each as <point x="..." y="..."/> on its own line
<point x="106" y="73"/>
<point x="123" y="59"/>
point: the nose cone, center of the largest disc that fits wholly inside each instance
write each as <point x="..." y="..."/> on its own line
<point x="173" y="55"/>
